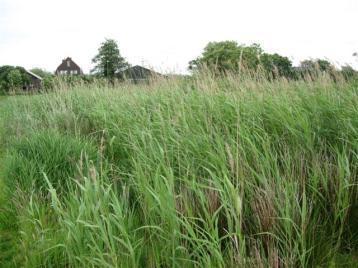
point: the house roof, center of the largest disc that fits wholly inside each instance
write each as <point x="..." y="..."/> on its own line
<point x="34" y="75"/>
<point x="73" y="65"/>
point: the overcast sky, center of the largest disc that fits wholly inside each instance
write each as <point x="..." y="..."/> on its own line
<point x="167" y="34"/>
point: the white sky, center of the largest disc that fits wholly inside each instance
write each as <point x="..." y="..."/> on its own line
<point x="167" y="34"/>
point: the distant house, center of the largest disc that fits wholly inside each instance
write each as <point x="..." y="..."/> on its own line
<point x="137" y="73"/>
<point x="34" y="81"/>
<point x="68" y="67"/>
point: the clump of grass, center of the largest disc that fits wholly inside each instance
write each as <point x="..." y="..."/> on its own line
<point x="48" y="153"/>
<point x="212" y="172"/>
<point x="22" y="175"/>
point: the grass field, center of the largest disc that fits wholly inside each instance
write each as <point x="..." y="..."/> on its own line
<point x="208" y="173"/>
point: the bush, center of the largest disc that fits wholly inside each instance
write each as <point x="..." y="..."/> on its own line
<point x="12" y="78"/>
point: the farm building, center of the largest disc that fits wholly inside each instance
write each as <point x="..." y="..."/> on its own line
<point x="68" y="67"/>
<point x="137" y="73"/>
<point x="34" y="81"/>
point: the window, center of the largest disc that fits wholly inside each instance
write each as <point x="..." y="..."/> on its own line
<point x="68" y="63"/>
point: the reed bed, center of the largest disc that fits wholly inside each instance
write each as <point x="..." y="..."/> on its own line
<point x="199" y="172"/>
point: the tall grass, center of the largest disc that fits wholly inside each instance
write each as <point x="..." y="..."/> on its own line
<point x="212" y="172"/>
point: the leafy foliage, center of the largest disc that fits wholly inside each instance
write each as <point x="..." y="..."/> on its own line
<point x="108" y="60"/>
<point x="317" y="64"/>
<point x="277" y="65"/>
<point x="47" y="77"/>
<point x="314" y="68"/>
<point x="228" y="56"/>
<point x="12" y="78"/>
<point x="348" y="72"/>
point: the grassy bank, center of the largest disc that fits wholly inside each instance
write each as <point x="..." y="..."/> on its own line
<point x="218" y="173"/>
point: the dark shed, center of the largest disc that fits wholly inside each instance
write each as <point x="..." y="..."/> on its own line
<point x="34" y="81"/>
<point x="137" y="73"/>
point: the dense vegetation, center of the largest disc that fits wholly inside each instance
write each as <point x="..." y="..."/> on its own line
<point x="229" y="56"/>
<point x="230" y="172"/>
<point x="218" y="58"/>
<point x="12" y="78"/>
<point x="108" y="60"/>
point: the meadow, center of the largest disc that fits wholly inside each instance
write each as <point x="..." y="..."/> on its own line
<point x="232" y="172"/>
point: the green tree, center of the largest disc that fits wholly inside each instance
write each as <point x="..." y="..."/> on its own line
<point x="325" y="65"/>
<point x="12" y="78"/>
<point x="219" y="56"/>
<point x="15" y="79"/>
<point x="108" y="60"/>
<point x="348" y="72"/>
<point x="314" y="67"/>
<point x="227" y="56"/>
<point x="308" y="65"/>
<point x="277" y="65"/>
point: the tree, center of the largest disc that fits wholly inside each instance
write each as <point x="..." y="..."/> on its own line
<point x="227" y="56"/>
<point x="325" y="65"/>
<point x="316" y="65"/>
<point x="348" y="72"/>
<point x="108" y="60"/>
<point x="313" y="67"/>
<point x="12" y="78"/>
<point x="15" y="79"/>
<point x="277" y="65"/>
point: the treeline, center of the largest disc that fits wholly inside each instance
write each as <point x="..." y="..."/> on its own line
<point x="230" y="57"/>
<point x="219" y="58"/>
